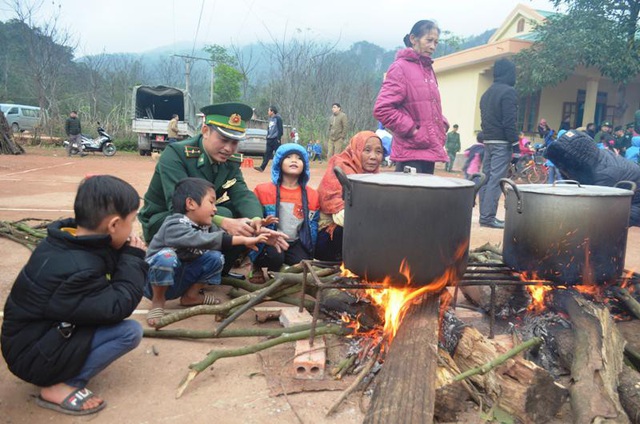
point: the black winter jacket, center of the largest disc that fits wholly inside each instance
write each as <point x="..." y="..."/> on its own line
<point x="499" y="104"/>
<point x="78" y="280"/>
<point x="578" y="158"/>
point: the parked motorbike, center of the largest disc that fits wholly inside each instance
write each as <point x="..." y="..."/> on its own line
<point x="103" y="143"/>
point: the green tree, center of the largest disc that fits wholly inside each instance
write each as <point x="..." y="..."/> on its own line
<point x="600" y="34"/>
<point x="227" y="84"/>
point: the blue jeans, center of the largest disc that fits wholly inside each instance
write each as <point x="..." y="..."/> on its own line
<point x="554" y="174"/>
<point x="495" y="164"/>
<point x="165" y="269"/>
<point x="108" y="344"/>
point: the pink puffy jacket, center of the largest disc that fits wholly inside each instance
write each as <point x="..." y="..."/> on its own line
<point x="409" y="99"/>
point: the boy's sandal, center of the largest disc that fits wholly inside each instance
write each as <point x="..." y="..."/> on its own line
<point x="154" y="314"/>
<point x="72" y="404"/>
<point x="209" y="299"/>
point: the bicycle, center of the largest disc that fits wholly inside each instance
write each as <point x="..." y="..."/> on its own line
<point x="532" y="170"/>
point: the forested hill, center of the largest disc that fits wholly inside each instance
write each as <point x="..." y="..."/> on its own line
<point x="38" y="66"/>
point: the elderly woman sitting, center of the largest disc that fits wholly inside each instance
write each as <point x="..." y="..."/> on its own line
<point x="363" y="155"/>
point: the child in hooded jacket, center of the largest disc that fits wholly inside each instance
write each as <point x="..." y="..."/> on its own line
<point x="295" y="206"/>
<point x="633" y="153"/>
<point x="474" y="155"/>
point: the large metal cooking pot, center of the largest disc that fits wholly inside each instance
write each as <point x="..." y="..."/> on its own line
<point x="566" y="232"/>
<point x="391" y="217"/>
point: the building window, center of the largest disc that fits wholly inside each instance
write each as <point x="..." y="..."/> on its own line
<point x="520" y="27"/>
<point x="528" y="112"/>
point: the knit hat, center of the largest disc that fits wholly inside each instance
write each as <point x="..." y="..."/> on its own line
<point x="575" y="154"/>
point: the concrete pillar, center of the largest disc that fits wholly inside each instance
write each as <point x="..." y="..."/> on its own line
<point x="590" y="101"/>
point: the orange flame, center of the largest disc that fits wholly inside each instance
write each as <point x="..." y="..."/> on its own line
<point x="537" y="292"/>
<point x="395" y="301"/>
<point x="537" y="297"/>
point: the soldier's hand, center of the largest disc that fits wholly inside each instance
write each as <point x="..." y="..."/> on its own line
<point x="238" y="226"/>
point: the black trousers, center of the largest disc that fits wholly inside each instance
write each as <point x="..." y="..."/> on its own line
<point x="422" y="166"/>
<point x="272" y="146"/>
<point x="273" y="260"/>
<point x="327" y="248"/>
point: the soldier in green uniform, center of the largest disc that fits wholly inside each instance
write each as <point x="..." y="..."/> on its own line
<point x="211" y="156"/>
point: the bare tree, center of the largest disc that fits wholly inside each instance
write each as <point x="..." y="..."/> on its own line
<point x="50" y="47"/>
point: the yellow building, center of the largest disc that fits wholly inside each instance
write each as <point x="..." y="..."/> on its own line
<point x="585" y="97"/>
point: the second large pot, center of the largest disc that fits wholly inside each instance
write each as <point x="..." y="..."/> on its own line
<point x="567" y="233"/>
<point x="393" y="217"/>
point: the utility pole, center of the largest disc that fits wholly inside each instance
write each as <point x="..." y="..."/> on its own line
<point x="188" y="61"/>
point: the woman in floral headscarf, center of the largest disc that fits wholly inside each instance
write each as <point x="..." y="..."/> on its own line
<point x="363" y="155"/>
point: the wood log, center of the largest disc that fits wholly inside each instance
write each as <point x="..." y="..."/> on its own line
<point x="597" y="361"/>
<point x="450" y="396"/>
<point x="405" y="388"/>
<point x="7" y="144"/>
<point x="519" y="386"/>
<point x="628" y="379"/>
<point x="629" y="391"/>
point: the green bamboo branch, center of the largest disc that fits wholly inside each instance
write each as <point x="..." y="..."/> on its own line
<point x="227" y="332"/>
<point x="214" y="355"/>
<point x="499" y="360"/>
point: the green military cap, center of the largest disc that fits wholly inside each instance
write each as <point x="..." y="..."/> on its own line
<point x="229" y="119"/>
<point x="606" y="124"/>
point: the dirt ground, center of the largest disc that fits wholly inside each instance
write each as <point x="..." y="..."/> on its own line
<point x="140" y="387"/>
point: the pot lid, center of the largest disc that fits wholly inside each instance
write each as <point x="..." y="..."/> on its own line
<point x="410" y="180"/>
<point x="574" y="190"/>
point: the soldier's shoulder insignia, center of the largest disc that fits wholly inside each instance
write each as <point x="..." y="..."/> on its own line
<point x="229" y="184"/>
<point x="236" y="157"/>
<point x="192" y="151"/>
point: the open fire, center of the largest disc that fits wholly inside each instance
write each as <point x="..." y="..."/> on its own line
<point x="393" y="302"/>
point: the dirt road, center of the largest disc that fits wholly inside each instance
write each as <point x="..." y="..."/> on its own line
<point x="140" y="387"/>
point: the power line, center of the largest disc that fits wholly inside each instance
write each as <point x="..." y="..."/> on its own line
<point x="197" y="29"/>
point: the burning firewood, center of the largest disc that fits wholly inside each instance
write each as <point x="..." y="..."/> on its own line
<point x="405" y="388"/>
<point x="519" y="386"/>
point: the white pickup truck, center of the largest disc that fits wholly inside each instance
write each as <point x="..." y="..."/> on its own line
<point x="153" y="108"/>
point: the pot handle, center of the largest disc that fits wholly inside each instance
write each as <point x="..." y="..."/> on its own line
<point x="631" y="184"/>
<point x="480" y="179"/>
<point x="567" y="182"/>
<point x="347" y="187"/>
<point x="503" y="183"/>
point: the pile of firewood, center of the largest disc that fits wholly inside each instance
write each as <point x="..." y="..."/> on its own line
<point x="7" y="145"/>
<point x="23" y="233"/>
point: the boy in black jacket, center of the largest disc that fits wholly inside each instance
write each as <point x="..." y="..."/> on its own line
<point x="64" y="320"/>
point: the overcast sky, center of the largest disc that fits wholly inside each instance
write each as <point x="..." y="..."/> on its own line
<point x="115" y="26"/>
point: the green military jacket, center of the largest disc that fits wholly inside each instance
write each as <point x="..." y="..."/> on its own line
<point x="453" y="142"/>
<point x="187" y="158"/>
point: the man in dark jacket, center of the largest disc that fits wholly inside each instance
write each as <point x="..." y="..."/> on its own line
<point x="64" y="320"/>
<point x="578" y="158"/>
<point x="274" y="136"/>
<point x="498" y="113"/>
<point x="73" y="129"/>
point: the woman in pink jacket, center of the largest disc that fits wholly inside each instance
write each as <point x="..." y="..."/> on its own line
<point x="409" y="103"/>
